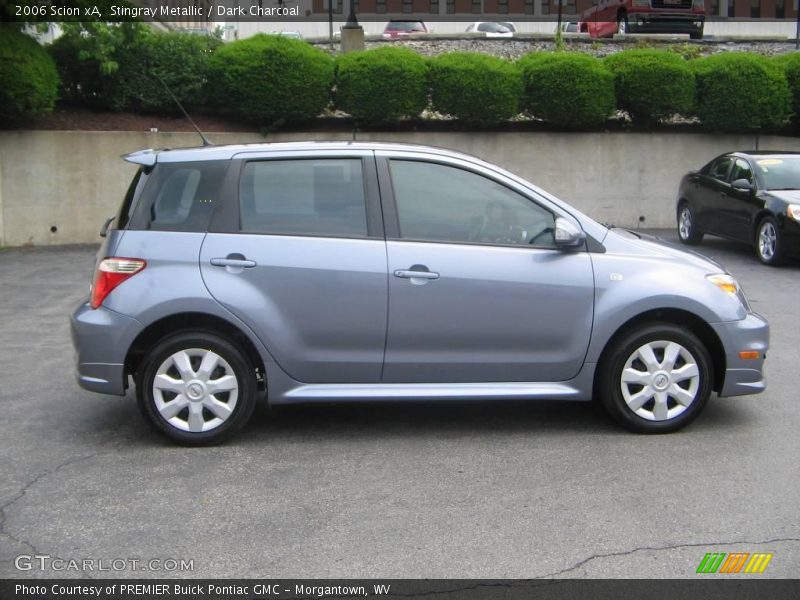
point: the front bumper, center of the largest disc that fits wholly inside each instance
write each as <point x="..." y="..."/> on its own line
<point x="101" y="339"/>
<point x="646" y="22"/>
<point x="744" y="376"/>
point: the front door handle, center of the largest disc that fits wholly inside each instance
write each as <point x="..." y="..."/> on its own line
<point x="409" y="274"/>
<point x="231" y="261"/>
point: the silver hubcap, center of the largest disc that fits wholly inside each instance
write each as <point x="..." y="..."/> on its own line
<point x="767" y="238"/>
<point x="660" y="380"/>
<point x="195" y="390"/>
<point x="685" y="224"/>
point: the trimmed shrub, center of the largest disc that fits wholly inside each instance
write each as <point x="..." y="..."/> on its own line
<point x="97" y="65"/>
<point x="381" y="85"/>
<point x="268" y="78"/>
<point x="178" y="59"/>
<point x="28" y="77"/>
<point x="738" y="91"/>
<point x="568" y="90"/>
<point x="790" y="63"/>
<point x="476" y="88"/>
<point x="652" y="84"/>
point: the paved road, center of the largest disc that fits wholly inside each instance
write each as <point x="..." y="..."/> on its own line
<point x="470" y="490"/>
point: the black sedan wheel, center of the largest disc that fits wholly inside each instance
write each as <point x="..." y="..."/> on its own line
<point x="768" y="242"/>
<point x="687" y="231"/>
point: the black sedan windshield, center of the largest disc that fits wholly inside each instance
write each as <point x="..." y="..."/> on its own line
<point x="780" y="172"/>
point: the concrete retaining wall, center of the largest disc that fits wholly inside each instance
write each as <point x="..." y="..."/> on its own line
<point x="57" y="187"/>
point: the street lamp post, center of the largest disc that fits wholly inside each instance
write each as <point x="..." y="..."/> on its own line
<point x="352" y="32"/>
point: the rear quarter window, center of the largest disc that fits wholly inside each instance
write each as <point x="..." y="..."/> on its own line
<point x="180" y="196"/>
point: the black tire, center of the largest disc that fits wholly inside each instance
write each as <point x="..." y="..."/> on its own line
<point x="775" y="256"/>
<point x="237" y="361"/>
<point x="690" y="235"/>
<point x="610" y="382"/>
<point x="696" y="35"/>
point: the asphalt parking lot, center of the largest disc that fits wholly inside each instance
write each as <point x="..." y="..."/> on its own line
<point x="461" y="490"/>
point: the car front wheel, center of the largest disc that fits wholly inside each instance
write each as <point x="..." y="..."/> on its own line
<point x="687" y="231"/>
<point x="656" y="379"/>
<point x="768" y="242"/>
<point x="196" y="388"/>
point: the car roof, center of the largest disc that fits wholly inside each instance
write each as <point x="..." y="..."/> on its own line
<point x="757" y="153"/>
<point x="151" y="156"/>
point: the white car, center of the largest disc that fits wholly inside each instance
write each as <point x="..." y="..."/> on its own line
<point x="493" y="29"/>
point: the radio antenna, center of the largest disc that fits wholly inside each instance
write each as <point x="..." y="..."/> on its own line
<point x="186" y="114"/>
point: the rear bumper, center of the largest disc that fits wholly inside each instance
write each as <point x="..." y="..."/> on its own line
<point x="101" y="339"/>
<point x="744" y="376"/>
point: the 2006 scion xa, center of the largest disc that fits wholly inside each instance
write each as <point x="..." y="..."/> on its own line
<point x="309" y="272"/>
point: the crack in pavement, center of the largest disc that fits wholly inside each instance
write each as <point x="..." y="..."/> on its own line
<point x="23" y="491"/>
<point x="585" y="561"/>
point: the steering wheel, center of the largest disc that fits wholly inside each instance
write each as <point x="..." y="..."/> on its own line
<point x="545" y="231"/>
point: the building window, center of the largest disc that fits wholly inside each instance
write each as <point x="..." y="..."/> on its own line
<point x="502" y="7"/>
<point x="477" y="7"/>
<point x="714" y="8"/>
<point x="380" y="6"/>
<point x="434" y="7"/>
<point x="528" y="7"/>
<point x="731" y="9"/>
<point x="451" y="7"/>
<point x="755" y="9"/>
<point x="545" y="7"/>
<point x="408" y="6"/>
<point x="572" y="8"/>
<point x="780" y="9"/>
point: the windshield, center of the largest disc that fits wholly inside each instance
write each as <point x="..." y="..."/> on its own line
<point x="405" y="26"/>
<point x="780" y="172"/>
<point x="493" y="28"/>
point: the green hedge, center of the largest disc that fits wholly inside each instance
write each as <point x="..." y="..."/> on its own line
<point x="738" y="91"/>
<point x="269" y="78"/>
<point x="790" y="63"/>
<point x="476" y="88"/>
<point x="381" y="85"/>
<point x="567" y="90"/>
<point x="652" y="84"/>
<point x="180" y="60"/>
<point x="96" y="67"/>
<point x="28" y="77"/>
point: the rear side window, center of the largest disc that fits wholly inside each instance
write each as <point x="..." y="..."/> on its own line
<point x="180" y="196"/>
<point x="134" y="190"/>
<point x="318" y="197"/>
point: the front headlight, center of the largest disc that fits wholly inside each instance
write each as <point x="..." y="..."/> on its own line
<point x="727" y="283"/>
<point x="793" y="212"/>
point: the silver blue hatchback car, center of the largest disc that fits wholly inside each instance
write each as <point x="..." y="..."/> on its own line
<point x="308" y="272"/>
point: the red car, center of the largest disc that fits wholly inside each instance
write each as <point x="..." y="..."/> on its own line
<point x="645" y="16"/>
<point x="401" y="29"/>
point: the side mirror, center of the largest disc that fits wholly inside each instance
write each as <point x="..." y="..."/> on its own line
<point x="567" y="234"/>
<point x="742" y="185"/>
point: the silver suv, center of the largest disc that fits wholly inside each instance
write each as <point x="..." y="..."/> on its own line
<point x="309" y="272"/>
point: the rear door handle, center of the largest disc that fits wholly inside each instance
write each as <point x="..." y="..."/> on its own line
<point x="233" y="262"/>
<point x="409" y="274"/>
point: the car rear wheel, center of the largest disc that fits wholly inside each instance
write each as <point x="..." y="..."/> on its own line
<point x="768" y="242"/>
<point x="687" y="232"/>
<point x="657" y="378"/>
<point x="196" y="388"/>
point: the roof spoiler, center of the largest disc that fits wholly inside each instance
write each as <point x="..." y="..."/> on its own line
<point x="146" y="158"/>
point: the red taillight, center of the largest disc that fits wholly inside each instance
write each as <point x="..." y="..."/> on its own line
<point x="110" y="273"/>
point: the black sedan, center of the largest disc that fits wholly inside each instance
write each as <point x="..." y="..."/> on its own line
<point x="753" y="197"/>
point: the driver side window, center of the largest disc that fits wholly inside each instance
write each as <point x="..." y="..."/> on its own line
<point x="446" y="204"/>
<point x="741" y="170"/>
